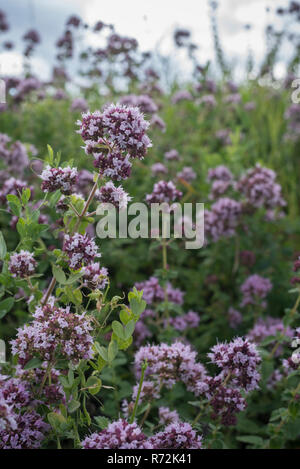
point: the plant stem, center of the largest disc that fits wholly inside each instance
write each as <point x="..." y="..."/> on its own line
<point x="293" y="312"/>
<point x="80" y="216"/>
<point x="48" y="370"/>
<point x="144" y="367"/>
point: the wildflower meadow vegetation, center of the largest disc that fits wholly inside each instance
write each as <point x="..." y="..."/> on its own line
<point x="141" y="343"/>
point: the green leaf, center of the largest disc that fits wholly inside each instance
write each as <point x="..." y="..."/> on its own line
<point x="33" y="363"/>
<point x="26" y="194"/>
<point x="3" y="249"/>
<point x="102" y="422"/>
<point x="50" y="155"/>
<point x="5" y="306"/>
<point x="252" y="439"/>
<point x="59" y="274"/>
<point x="73" y="406"/>
<point x="118" y="329"/>
<point x="129" y="328"/>
<point x="112" y="350"/>
<point x="102" y="351"/>
<point x="94" y="385"/>
<point x="73" y="278"/>
<point x="56" y="420"/>
<point x="21" y="227"/>
<point x="54" y="199"/>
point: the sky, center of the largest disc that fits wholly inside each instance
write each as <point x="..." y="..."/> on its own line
<point x="151" y="22"/>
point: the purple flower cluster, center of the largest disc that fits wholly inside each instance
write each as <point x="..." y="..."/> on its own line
<point x="182" y="95"/>
<point x="7" y="417"/>
<point x="14" y="154"/>
<point x="117" y="126"/>
<point x="292" y="115"/>
<point x="264" y="328"/>
<point x="12" y="186"/>
<point x="225" y="401"/>
<point x="158" y="169"/>
<point x="158" y="122"/>
<point x="238" y="361"/>
<point x="153" y="292"/>
<point x="22" y="264"/>
<point x="54" y="330"/>
<point x="219" y="173"/>
<point x="28" y="433"/>
<point x="208" y="100"/>
<point x="172" y="155"/>
<point x="223" y="136"/>
<point x="118" y="435"/>
<point x="114" y="165"/>
<point x="149" y="391"/>
<point x="16" y="393"/>
<point x="79" y="104"/>
<point x="163" y="191"/>
<point x="296" y="268"/>
<point x="295" y="358"/>
<point x="259" y="187"/>
<point x="187" y="174"/>
<point x="123" y="435"/>
<point x="189" y="320"/>
<point x="221" y="179"/>
<point x="169" y="364"/>
<point x="143" y="102"/>
<point x="26" y="86"/>
<point x="235" y="318"/>
<point x="222" y="219"/>
<point x="167" y="416"/>
<point x="59" y="178"/>
<point x="178" y="435"/>
<point x="110" y="194"/>
<point x="94" y="276"/>
<point x="254" y="289"/>
<point x="80" y="249"/>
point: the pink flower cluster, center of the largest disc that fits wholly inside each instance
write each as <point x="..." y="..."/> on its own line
<point x="238" y="361"/>
<point x="143" y="102"/>
<point x="254" y="289"/>
<point x="163" y="191"/>
<point x="123" y="435"/>
<point x="80" y="250"/>
<point x="118" y="435"/>
<point x="7" y="418"/>
<point x="59" y="178"/>
<point x="117" y="126"/>
<point x="187" y="174"/>
<point x="189" y="320"/>
<point x="153" y="292"/>
<point x="259" y="187"/>
<point x="12" y="186"/>
<point x="14" y="154"/>
<point x="22" y="264"/>
<point x="114" y="165"/>
<point x="54" y="330"/>
<point x="94" y="276"/>
<point x="167" y="416"/>
<point x="110" y="194"/>
<point x="222" y="219"/>
<point x="172" y="155"/>
<point x="168" y="364"/>
<point x="264" y="328"/>
<point x="177" y="435"/>
<point x="28" y="433"/>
